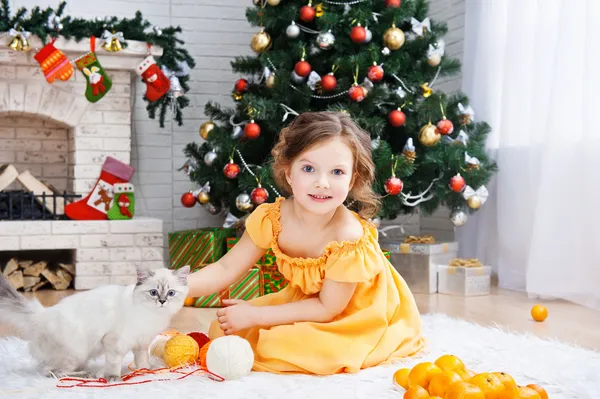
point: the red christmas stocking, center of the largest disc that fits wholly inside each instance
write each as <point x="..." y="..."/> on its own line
<point x="157" y="84"/>
<point x="98" y="202"/>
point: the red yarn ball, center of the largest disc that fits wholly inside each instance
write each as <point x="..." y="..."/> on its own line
<point x="252" y="131"/>
<point x="188" y="200"/>
<point x="397" y="118"/>
<point x="231" y="170"/>
<point x="200" y="338"/>
<point x="358" y="34"/>
<point x="307" y="14"/>
<point x="445" y="126"/>
<point x="328" y="82"/>
<point x="375" y="73"/>
<point x="302" y="68"/>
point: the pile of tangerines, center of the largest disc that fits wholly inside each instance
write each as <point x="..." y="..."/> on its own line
<point x="448" y="378"/>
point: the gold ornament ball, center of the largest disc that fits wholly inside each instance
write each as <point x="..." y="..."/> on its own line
<point x="261" y="42"/>
<point x="203" y="197"/>
<point x="474" y="202"/>
<point x="434" y="60"/>
<point x="206" y="128"/>
<point x="429" y="135"/>
<point x="393" y="38"/>
<point x="273" y="2"/>
<point x="271" y="81"/>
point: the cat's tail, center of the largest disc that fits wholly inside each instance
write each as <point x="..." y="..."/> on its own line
<point x="15" y="309"/>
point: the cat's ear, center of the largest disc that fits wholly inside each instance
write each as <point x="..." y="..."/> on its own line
<point x="143" y="274"/>
<point x="182" y="274"/>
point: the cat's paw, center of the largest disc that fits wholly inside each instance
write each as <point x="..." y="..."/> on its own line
<point x="112" y="378"/>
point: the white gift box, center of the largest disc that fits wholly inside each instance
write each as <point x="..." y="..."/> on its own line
<point x="464" y="281"/>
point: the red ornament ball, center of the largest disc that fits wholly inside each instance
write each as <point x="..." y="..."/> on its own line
<point x="397" y="118"/>
<point x="231" y="170"/>
<point x="252" y="130"/>
<point x="259" y="195"/>
<point x="241" y="85"/>
<point x="356" y="93"/>
<point x="358" y="34"/>
<point x="445" y="126"/>
<point x="307" y="14"/>
<point x="200" y="338"/>
<point x="302" y="68"/>
<point x="329" y="82"/>
<point x="393" y="185"/>
<point x="393" y="3"/>
<point x="375" y="73"/>
<point x="457" y="183"/>
<point x="188" y="200"/>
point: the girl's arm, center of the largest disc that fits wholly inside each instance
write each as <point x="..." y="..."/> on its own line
<point x="221" y="274"/>
<point x="332" y="301"/>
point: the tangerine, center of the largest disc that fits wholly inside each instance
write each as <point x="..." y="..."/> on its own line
<point x="466" y="374"/>
<point x="527" y="393"/>
<point x="464" y="390"/>
<point x="416" y="392"/>
<point x="539" y="313"/>
<point x="422" y="374"/>
<point x="540" y="390"/>
<point x="449" y="362"/>
<point x="510" y="386"/>
<point x="442" y="382"/>
<point x="401" y="378"/>
<point x="491" y="385"/>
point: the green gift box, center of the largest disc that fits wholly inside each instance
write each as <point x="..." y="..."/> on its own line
<point x="197" y="247"/>
<point x="388" y="255"/>
<point x="248" y="287"/>
<point x="273" y="280"/>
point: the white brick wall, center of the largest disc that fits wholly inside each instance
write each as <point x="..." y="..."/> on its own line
<point x="214" y="32"/>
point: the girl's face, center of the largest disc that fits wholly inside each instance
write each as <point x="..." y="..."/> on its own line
<point x="322" y="176"/>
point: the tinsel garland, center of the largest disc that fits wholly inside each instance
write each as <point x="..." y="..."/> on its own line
<point x="44" y="22"/>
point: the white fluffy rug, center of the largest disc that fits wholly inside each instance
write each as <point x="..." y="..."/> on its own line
<point x="564" y="370"/>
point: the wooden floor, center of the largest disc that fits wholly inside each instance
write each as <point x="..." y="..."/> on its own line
<point x="566" y="321"/>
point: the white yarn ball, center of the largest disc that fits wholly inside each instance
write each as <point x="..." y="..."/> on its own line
<point x="230" y="357"/>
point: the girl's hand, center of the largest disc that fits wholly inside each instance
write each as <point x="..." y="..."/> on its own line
<point x="237" y="315"/>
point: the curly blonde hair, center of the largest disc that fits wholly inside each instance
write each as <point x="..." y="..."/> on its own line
<point x="312" y="128"/>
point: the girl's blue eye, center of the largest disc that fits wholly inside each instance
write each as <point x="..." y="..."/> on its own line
<point x="307" y="168"/>
<point x="338" y="172"/>
<point x="153" y="293"/>
<point x="171" y="293"/>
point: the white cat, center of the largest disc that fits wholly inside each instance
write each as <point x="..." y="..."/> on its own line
<point x="110" y="320"/>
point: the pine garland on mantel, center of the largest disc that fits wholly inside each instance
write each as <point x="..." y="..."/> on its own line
<point x="45" y="24"/>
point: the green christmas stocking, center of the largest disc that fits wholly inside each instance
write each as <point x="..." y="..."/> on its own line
<point x="98" y="82"/>
<point x="123" y="206"/>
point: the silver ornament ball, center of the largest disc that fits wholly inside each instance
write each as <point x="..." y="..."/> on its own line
<point x="157" y="30"/>
<point x="292" y="31"/>
<point x="458" y="217"/>
<point x="237" y="132"/>
<point x="375" y="143"/>
<point x="369" y="35"/>
<point x="297" y="78"/>
<point x="243" y="202"/>
<point x="209" y="158"/>
<point x="326" y="40"/>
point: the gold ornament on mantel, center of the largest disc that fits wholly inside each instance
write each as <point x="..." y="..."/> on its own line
<point x="261" y="41"/>
<point x="206" y="128"/>
<point x="393" y="38"/>
<point x="112" y="41"/>
<point x="429" y="135"/>
<point x="19" y="40"/>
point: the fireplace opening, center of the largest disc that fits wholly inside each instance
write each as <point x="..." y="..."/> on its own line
<point x="29" y="271"/>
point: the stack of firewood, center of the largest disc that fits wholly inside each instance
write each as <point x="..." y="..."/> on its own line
<point x="27" y="275"/>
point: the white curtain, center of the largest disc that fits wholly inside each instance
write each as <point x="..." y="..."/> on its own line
<point x="531" y="70"/>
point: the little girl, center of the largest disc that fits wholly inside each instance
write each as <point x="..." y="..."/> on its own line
<point x="345" y="307"/>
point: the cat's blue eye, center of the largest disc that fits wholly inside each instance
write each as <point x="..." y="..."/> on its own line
<point x="307" y="168"/>
<point x="153" y="292"/>
<point x="171" y="293"/>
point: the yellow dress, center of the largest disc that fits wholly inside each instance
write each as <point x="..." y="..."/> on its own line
<point x="380" y="324"/>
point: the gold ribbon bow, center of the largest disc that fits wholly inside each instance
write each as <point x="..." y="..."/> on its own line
<point x="419" y="240"/>
<point x="460" y="262"/>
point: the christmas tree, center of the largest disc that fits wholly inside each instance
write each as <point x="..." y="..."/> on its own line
<point x="379" y="61"/>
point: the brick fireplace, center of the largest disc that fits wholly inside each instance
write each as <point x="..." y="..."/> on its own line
<point x="52" y="131"/>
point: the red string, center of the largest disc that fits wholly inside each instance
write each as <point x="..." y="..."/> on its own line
<point x="93" y="44"/>
<point x="102" y="383"/>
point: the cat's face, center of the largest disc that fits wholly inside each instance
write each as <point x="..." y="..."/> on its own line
<point x="163" y="288"/>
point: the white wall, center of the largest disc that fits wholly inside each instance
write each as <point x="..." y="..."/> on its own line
<point x="214" y="33"/>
